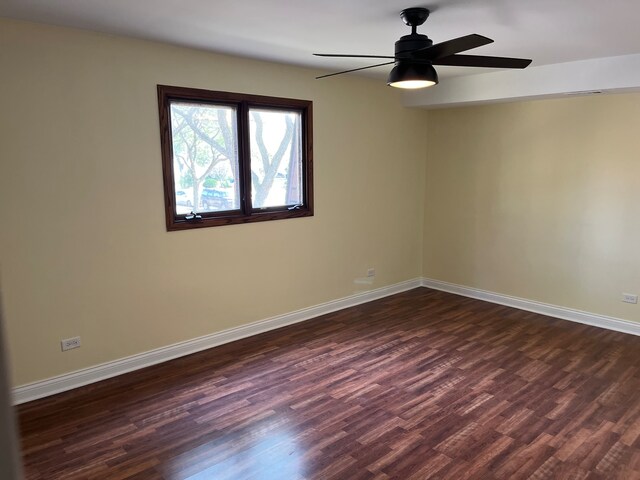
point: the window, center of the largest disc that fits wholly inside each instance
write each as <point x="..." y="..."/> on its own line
<point x="234" y="158"/>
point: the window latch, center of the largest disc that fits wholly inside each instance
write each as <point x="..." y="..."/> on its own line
<point x="295" y="207"/>
<point x="193" y="217"/>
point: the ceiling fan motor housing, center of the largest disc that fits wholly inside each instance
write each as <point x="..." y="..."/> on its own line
<point x="410" y="43"/>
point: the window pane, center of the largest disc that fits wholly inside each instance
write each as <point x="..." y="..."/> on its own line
<point x="205" y="157"/>
<point x="276" y="157"/>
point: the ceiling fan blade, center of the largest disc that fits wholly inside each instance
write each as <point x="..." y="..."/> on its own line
<point x="482" y="61"/>
<point x="451" y="47"/>
<point x="354" y="70"/>
<point x="349" y="56"/>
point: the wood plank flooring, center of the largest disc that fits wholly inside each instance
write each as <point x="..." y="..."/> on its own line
<point x="419" y="385"/>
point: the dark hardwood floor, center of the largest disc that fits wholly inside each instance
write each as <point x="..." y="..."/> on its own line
<point x="419" y="385"/>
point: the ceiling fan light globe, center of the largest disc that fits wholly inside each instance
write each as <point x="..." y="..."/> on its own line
<point x="412" y="75"/>
<point x="412" y="84"/>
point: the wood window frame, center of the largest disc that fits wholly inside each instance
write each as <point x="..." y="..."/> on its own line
<point x="242" y="102"/>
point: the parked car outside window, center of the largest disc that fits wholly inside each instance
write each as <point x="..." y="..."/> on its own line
<point x="215" y="199"/>
<point x="184" y="198"/>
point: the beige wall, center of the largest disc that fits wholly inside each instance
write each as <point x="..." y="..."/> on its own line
<point x="539" y="200"/>
<point x="83" y="245"/>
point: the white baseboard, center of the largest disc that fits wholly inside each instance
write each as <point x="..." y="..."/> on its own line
<point x="610" y="323"/>
<point x="68" y="381"/>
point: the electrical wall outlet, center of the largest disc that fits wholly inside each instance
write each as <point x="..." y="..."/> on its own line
<point x="69" y="343"/>
<point x="371" y="272"/>
<point x="629" y="298"/>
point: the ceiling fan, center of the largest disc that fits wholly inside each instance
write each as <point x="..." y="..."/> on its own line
<point x="415" y="55"/>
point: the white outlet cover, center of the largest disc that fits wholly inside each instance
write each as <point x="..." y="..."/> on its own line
<point x="70" y="343"/>
<point x="629" y="298"/>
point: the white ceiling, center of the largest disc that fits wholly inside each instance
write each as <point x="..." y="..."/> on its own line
<point x="548" y="31"/>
